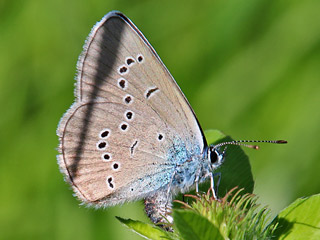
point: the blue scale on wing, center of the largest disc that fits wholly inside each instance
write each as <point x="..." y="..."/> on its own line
<point x="186" y="161"/>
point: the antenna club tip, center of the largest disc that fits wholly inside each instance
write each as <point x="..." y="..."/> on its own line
<point x="256" y="147"/>
<point x="281" y="141"/>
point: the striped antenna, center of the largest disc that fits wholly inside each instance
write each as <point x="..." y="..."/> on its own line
<point x="242" y="143"/>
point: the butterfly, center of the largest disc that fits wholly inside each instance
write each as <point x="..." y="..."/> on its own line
<point x="131" y="133"/>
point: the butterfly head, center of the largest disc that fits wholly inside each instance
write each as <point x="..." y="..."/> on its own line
<point x="215" y="156"/>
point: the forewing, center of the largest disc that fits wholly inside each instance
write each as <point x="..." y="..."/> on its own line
<point x="116" y="141"/>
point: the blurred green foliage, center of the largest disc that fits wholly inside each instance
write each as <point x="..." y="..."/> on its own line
<point x="249" y="68"/>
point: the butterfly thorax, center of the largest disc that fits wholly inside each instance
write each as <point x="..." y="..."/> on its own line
<point x="185" y="159"/>
<point x="197" y="168"/>
<point x="187" y="173"/>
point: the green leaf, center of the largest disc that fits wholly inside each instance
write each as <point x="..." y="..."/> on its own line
<point x="145" y="230"/>
<point x="213" y="136"/>
<point x="236" y="170"/>
<point x="192" y="226"/>
<point x="300" y="220"/>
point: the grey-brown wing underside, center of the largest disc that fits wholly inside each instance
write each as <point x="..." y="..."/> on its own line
<point x="117" y="139"/>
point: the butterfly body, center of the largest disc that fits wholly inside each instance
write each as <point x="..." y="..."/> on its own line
<point x="131" y="134"/>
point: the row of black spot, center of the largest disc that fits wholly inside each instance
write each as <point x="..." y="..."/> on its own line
<point x="124" y="70"/>
<point x="129" y="115"/>
<point x="130" y="61"/>
<point x="103" y="144"/>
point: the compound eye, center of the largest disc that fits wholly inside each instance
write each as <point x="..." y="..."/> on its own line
<point x="213" y="157"/>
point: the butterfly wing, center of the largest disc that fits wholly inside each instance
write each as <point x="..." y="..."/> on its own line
<point x="130" y="125"/>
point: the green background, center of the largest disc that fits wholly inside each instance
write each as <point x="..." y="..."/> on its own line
<point x="249" y="68"/>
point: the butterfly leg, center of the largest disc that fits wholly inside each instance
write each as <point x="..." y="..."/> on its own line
<point x="197" y="184"/>
<point x="196" y="181"/>
<point x="158" y="208"/>
<point x="213" y="187"/>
